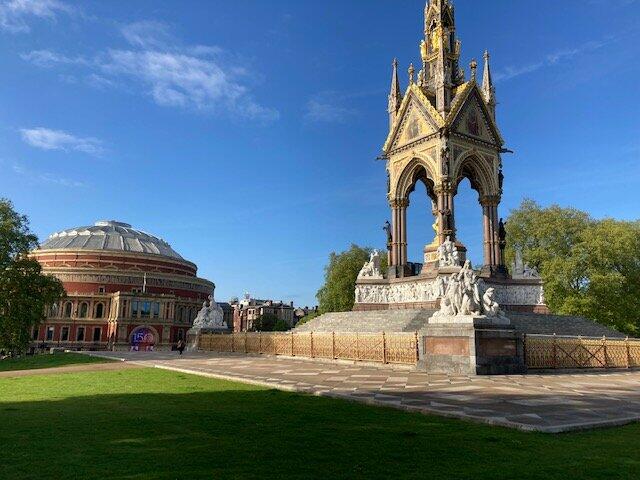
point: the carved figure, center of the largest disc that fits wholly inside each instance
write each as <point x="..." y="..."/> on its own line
<point x="387" y="228"/>
<point x="371" y="269"/>
<point x="502" y="232"/>
<point x="448" y="254"/>
<point x="210" y="315"/>
<point x="445" y="161"/>
<point x="489" y="305"/>
<point x="520" y="269"/>
<point x="462" y="296"/>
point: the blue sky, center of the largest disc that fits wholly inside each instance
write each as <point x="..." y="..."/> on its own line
<point x="245" y="133"/>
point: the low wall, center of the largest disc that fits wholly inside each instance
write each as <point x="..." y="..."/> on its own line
<point x="399" y="348"/>
<point x="564" y="352"/>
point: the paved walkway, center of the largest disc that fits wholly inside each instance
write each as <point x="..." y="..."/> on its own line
<point x="547" y="403"/>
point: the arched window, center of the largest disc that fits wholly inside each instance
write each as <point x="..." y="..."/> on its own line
<point x="99" y="310"/>
<point x="68" y="307"/>
<point x="84" y="309"/>
<point x="53" y="311"/>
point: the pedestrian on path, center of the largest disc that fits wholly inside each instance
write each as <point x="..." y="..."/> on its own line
<point x="181" y="346"/>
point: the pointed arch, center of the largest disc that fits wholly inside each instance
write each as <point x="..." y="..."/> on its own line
<point x="478" y="170"/>
<point x="418" y="169"/>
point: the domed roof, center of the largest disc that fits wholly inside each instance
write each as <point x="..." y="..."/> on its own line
<point x="109" y="235"/>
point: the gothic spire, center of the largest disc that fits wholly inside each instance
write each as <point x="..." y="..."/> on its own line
<point x="440" y="51"/>
<point x="395" y="95"/>
<point x="488" y="90"/>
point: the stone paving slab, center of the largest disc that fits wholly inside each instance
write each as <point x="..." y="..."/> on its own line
<point x="535" y="402"/>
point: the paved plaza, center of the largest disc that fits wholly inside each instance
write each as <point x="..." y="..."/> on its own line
<point x="536" y="402"/>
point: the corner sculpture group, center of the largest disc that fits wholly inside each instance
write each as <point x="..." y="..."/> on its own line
<point x="460" y="292"/>
<point x="462" y="296"/>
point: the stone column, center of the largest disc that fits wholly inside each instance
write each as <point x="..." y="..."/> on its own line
<point x="491" y="240"/>
<point x="486" y="235"/>
<point x="403" y="231"/>
<point x="446" y="221"/>
<point x="395" y="234"/>
<point x="496" y="237"/>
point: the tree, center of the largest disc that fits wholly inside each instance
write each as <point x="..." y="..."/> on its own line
<point x="265" y="323"/>
<point x="337" y="293"/>
<point x="589" y="267"/>
<point x="600" y="279"/>
<point x="25" y="292"/>
<point x="543" y="233"/>
<point x="281" y="326"/>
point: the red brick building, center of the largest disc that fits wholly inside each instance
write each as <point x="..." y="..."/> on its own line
<point x="125" y="289"/>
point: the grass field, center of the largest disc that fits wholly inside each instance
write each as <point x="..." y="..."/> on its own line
<point x="46" y="360"/>
<point x="155" y="424"/>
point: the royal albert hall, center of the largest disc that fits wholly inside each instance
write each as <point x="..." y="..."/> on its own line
<point x="126" y="289"/>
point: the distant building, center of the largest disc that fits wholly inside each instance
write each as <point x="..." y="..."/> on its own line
<point x="125" y="289"/>
<point x="301" y="312"/>
<point x="247" y="310"/>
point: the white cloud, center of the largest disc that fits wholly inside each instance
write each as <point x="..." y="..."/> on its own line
<point x="47" y="139"/>
<point x="146" y="33"/>
<point x="44" y="177"/>
<point x="200" y="77"/>
<point x="15" y="13"/>
<point x="328" y="107"/>
<point x="47" y="58"/>
<point x="552" y="59"/>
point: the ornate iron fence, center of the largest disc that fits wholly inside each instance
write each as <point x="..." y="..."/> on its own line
<point x="400" y="348"/>
<point x="554" y="351"/>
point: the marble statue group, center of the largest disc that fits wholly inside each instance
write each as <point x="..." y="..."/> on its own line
<point x="371" y="269"/>
<point x="448" y="254"/>
<point x="463" y="296"/>
<point x="210" y="315"/>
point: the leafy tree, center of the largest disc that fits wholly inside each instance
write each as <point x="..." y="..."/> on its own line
<point x="281" y="326"/>
<point x="24" y="291"/>
<point x="543" y="233"/>
<point x="589" y="267"/>
<point x="337" y="293"/>
<point x="265" y="323"/>
<point x="600" y="279"/>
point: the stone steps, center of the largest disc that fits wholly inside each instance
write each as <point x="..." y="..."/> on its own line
<point x="371" y="321"/>
<point x="414" y="320"/>
<point x="531" y="323"/>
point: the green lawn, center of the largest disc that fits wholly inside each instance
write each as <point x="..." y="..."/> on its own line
<point x="155" y="424"/>
<point x="46" y="360"/>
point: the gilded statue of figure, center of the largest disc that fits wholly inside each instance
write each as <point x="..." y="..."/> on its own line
<point x="436" y="35"/>
<point x="423" y="50"/>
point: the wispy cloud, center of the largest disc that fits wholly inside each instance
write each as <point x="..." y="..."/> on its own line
<point x="47" y="58"/>
<point x="328" y="107"/>
<point x="552" y="59"/>
<point x="147" y="33"/>
<point x="14" y="14"/>
<point x="47" y="139"/>
<point x="197" y="77"/>
<point x="44" y="177"/>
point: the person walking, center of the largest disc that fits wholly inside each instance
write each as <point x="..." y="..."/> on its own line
<point x="181" y="346"/>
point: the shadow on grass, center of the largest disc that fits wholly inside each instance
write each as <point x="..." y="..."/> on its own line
<point x="205" y="428"/>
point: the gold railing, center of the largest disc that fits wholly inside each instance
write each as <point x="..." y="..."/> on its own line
<point x="554" y="351"/>
<point x="400" y="348"/>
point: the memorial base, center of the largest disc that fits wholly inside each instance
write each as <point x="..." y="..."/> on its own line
<point x="466" y="345"/>
<point x="194" y="334"/>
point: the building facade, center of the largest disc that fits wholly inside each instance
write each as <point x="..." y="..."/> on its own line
<point x="126" y="289"/>
<point x="248" y="310"/>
